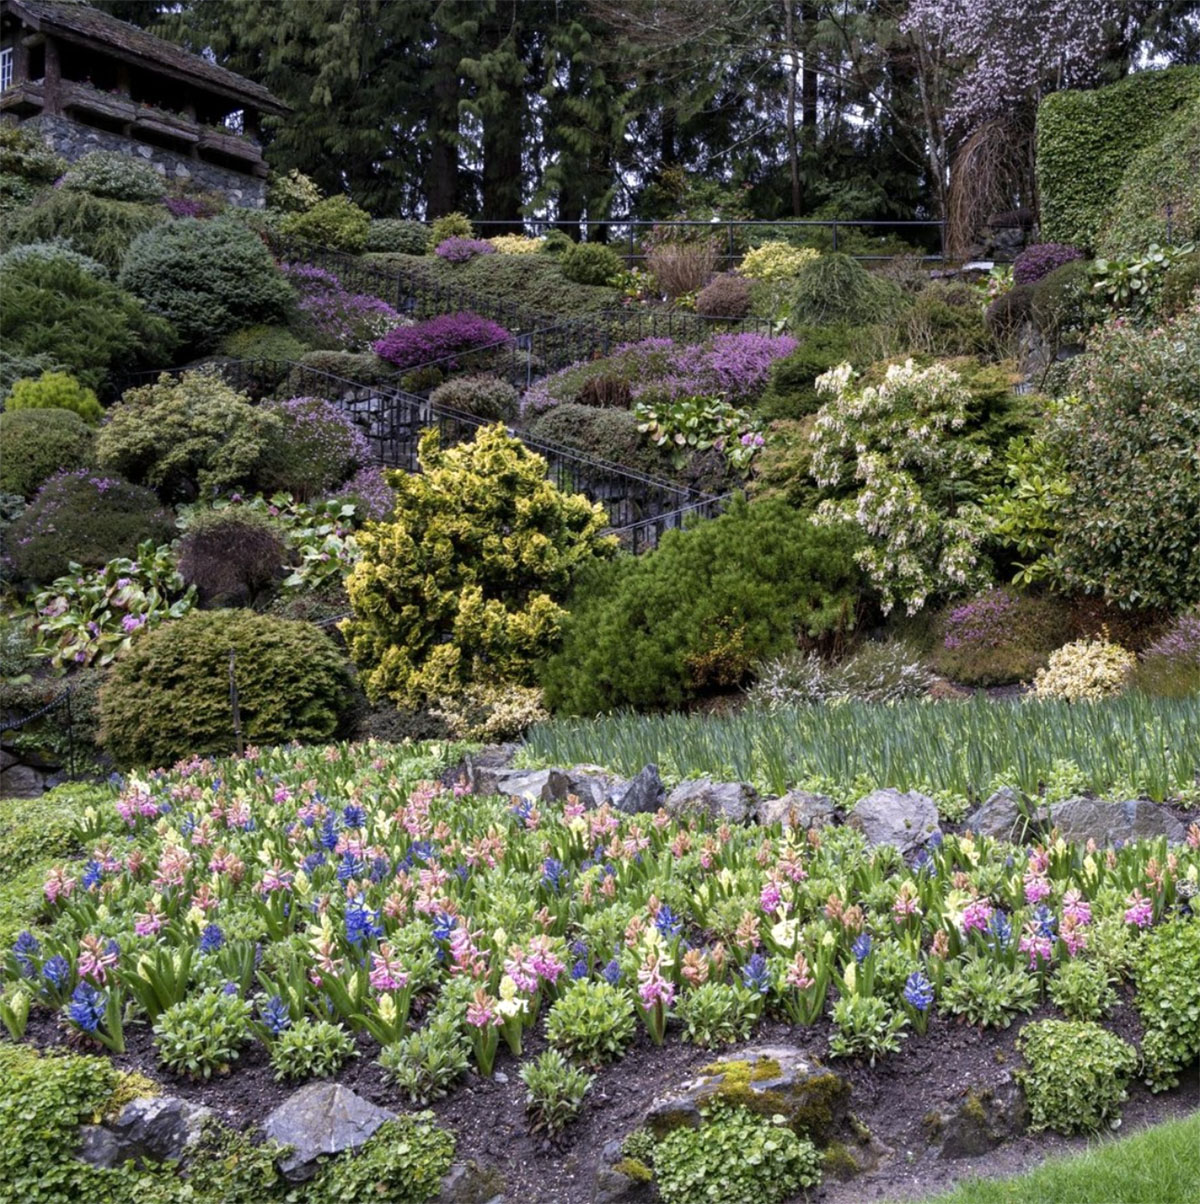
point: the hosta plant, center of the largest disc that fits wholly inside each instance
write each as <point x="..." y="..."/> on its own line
<point x="692" y="424"/>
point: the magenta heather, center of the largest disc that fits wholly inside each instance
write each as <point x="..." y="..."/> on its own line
<point x="439" y="339"/>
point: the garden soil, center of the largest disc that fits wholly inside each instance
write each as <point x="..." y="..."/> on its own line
<point x="892" y="1100"/>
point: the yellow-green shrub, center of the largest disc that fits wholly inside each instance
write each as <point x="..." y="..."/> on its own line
<point x="55" y="391"/>
<point x="464" y="583"/>
<point x="516" y="244"/>
<point x="1085" y="671"/>
<point x="776" y="261"/>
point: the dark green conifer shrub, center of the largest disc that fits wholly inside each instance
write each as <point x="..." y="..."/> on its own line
<point x="37" y="443"/>
<point x="590" y="263"/>
<point x="97" y="227"/>
<point x="837" y="289"/>
<point x="659" y="629"/>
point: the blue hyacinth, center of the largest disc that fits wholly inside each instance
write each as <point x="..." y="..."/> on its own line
<point x="381" y="867"/>
<point x="87" y="1007"/>
<point x="443" y="925"/>
<point x="275" y="1016"/>
<point x="328" y="837"/>
<point x="354" y="816"/>
<point x="56" y="971"/>
<point x="999" y="930"/>
<point x="579" y="969"/>
<point x="918" y="991"/>
<point x="755" y="975"/>
<point x="93" y="875"/>
<point x="522" y="809"/>
<point x="211" y="939"/>
<point x="25" y="947"/>
<point x="313" y="860"/>
<point x="553" y="873"/>
<point x="612" y="973"/>
<point x="1045" y="920"/>
<point x="351" y="866"/>
<point x="667" y="922"/>
<point x="861" y="947"/>
<point x="361" y="922"/>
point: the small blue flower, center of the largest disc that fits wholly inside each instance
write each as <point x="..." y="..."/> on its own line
<point x="56" y="970"/>
<point x="1045" y="920"/>
<point x="553" y="874"/>
<point x="667" y="922"/>
<point x="354" y="816"/>
<point x="612" y="973"/>
<point x="861" y="947"/>
<point x="92" y="875"/>
<point x="522" y="809"/>
<point x="381" y="867"/>
<point x="211" y="939"/>
<point x="580" y="969"/>
<point x="936" y="838"/>
<point x="755" y="975"/>
<point x="275" y="1016"/>
<point x="87" y="1007"/>
<point x="579" y="948"/>
<point x="424" y="850"/>
<point x="313" y="860"/>
<point x="443" y="925"/>
<point x="918" y="991"/>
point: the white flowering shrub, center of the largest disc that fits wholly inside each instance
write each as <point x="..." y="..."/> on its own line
<point x="1085" y="671"/>
<point x="491" y="713"/>
<point x="895" y="446"/>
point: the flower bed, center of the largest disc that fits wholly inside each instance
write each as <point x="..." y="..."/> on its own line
<point x="227" y="903"/>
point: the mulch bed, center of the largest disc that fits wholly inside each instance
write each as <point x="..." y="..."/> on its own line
<point x="489" y="1121"/>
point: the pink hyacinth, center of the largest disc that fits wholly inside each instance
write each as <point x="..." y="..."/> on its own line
<point x="386" y="972"/>
<point x="652" y="987"/>
<point x="976" y="915"/>
<point x="481" y="1011"/>
<point x="1139" y="911"/>
<point x="1036" y="889"/>
<point x="276" y="878"/>
<point x="521" y="970"/>
<point x="59" y="884"/>
<point x="770" y="898"/>
<point x="95" y="960"/>
<point x="545" y="964"/>
<point x="1039" y="947"/>
<point x="1076" y="908"/>
<point x="798" y="974"/>
<point x="148" y="922"/>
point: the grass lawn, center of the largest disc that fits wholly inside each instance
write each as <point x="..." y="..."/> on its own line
<point x="1158" y="1166"/>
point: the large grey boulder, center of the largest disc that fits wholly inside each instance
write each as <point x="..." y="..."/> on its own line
<point x="640" y="794"/>
<point x="484" y="767"/>
<point x="470" y="1183"/>
<point x="534" y="785"/>
<point x="797" y="809"/>
<point x="1007" y="816"/>
<point x="321" y="1118"/>
<point x="905" y="821"/>
<point x="1083" y="819"/>
<point x="159" y="1129"/>
<point x="722" y="802"/>
<point x="771" y="1080"/>
<point x="985" y="1118"/>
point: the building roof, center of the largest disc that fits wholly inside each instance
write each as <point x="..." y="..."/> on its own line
<point x="78" y="22"/>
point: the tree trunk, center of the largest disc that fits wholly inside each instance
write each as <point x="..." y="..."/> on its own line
<point x="502" y="164"/>
<point x="789" y="35"/>
<point x="441" y="173"/>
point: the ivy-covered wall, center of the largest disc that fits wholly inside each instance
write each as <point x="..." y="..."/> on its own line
<point x="1086" y="142"/>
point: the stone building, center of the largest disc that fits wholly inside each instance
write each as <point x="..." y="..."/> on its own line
<point x="88" y="81"/>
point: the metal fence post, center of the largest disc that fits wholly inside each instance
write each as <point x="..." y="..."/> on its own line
<point x="233" y="704"/>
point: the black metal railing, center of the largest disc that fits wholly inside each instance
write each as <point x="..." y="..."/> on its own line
<point x="639" y="506"/>
<point x="56" y="711"/>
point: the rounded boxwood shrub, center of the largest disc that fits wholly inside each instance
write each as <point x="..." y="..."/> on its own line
<point x="207" y="277"/>
<point x="836" y="288"/>
<point x="449" y="225"/>
<point x="55" y="391"/>
<point x="23" y="253"/>
<point x="590" y="263"/>
<point x="37" y="443"/>
<point x="116" y="177"/>
<point x="187" y="437"/>
<point x="483" y="396"/>
<point x="233" y="557"/>
<point x="601" y="433"/>
<point x="398" y="235"/>
<point x="334" y="222"/>
<point x="315" y="447"/>
<point x="698" y="612"/>
<point x="263" y="342"/>
<point x="1063" y="301"/>
<point x="168" y="697"/>
<point x="724" y="297"/>
<point x="87" y="326"/>
<point x="99" y="228"/>
<point x="84" y="517"/>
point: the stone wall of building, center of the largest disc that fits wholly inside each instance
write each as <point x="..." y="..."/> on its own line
<point x="73" y="140"/>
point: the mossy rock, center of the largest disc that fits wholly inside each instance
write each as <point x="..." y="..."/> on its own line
<point x="769" y="1081"/>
